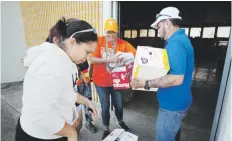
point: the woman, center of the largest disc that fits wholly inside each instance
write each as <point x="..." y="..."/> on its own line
<point x="54" y="39"/>
<point x="49" y="110"/>
<point x="104" y="54"/>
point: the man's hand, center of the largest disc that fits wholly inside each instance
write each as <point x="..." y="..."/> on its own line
<point x="138" y="83"/>
<point x="162" y="82"/>
<point x="167" y="81"/>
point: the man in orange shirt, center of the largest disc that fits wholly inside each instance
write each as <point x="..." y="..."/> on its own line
<point x="104" y="54"/>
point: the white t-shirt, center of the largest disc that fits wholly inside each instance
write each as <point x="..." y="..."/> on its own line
<point x="48" y="94"/>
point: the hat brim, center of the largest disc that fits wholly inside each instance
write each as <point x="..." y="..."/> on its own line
<point x="114" y="30"/>
<point x="155" y="24"/>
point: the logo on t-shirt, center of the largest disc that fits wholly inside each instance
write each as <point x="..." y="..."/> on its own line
<point x="103" y="52"/>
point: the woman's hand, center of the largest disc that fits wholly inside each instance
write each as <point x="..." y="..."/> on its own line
<point x="74" y="136"/>
<point x="73" y="139"/>
<point x="76" y="123"/>
<point x="113" y="59"/>
<point x="92" y="110"/>
<point x="85" y="101"/>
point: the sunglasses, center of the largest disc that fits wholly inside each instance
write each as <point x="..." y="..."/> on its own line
<point x="159" y="15"/>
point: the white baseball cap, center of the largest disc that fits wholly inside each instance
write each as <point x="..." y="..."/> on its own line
<point x="166" y="13"/>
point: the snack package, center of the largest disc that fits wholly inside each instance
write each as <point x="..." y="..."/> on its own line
<point x="122" y="72"/>
<point x="121" y="78"/>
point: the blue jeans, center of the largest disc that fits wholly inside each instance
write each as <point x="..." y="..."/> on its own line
<point x="168" y="123"/>
<point x="85" y="90"/>
<point x="104" y="96"/>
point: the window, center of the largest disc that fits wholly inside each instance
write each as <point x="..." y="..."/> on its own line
<point x="208" y="32"/>
<point x="223" y="43"/>
<point x="195" y="32"/>
<point x="151" y="33"/>
<point x="143" y="33"/>
<point x="134" y="33"/>
<point x="223" y="32"/>
<point x="186" y="30"/>
<point x="127" y="34"/>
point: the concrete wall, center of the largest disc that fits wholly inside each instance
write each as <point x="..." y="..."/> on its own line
<point x="224" y="127"/>
<point x="24" y="24"/>
<point x="13" y="45"/>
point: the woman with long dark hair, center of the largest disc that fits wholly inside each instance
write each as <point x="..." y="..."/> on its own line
<point x="49" y="110"/>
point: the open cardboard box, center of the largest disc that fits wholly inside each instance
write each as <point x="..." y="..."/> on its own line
<point x="150" y="63"/>
<point x="121" y="135"/>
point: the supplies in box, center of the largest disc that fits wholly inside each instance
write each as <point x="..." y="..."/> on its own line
<point x="121" y="135"/>
<point x="122" y="71"/>
<point x="150" y="63"/>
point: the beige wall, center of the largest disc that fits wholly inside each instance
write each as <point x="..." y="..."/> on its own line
<point x="39" y="16"/>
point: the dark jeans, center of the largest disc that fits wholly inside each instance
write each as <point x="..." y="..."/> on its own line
<point x="104" y="96"/>
<point x="23" y="136"/>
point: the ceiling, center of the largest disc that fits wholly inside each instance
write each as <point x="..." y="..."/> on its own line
<point x="142" y="14"/>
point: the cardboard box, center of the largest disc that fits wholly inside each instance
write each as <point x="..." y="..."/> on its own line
<point x="121" y="135"/>
<point x="150" y="63"/>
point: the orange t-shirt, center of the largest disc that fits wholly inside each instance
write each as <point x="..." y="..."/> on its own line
<point x="101" y="76"/>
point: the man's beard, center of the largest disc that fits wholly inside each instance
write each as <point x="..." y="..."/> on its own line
<point x="164" y="34"/>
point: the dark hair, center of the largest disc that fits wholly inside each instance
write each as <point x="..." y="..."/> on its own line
<point x="83" y="66"/>
<point x="176" y="22"/>
<point x="63" y="29"/>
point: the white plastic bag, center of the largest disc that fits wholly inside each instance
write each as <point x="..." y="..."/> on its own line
<point x="126" y="56"/>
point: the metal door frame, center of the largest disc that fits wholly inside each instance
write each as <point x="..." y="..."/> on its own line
<point x="222" y="91"/>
